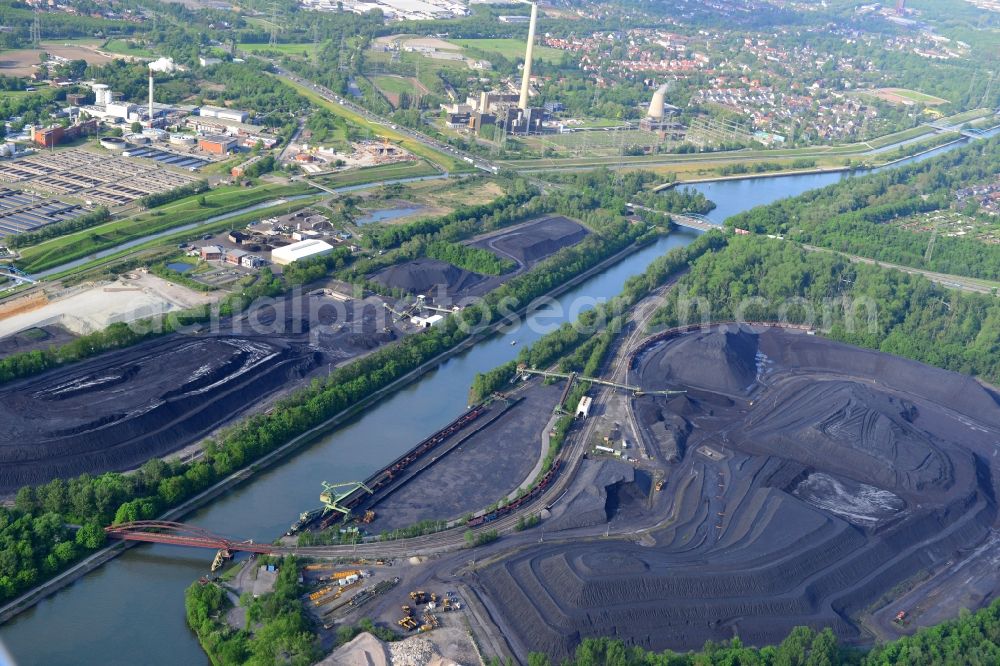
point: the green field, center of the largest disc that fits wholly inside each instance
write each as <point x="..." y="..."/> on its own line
<point x="378" y="173"/>
<point x="219" y="201"/>
<point x="308" y="50"/>
<point x="916" y="96"/>
<point x="447" y="162"/>
<point x="121" y="46"/>
<point x="393" y="85"/>
<point x="512" y="49"/>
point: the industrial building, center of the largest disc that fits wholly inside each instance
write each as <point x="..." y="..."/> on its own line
<point x="48" y="137"/>
<point x="217" y="144"/>
<point x="223" y="114"/>
<point x="307" y="249"/>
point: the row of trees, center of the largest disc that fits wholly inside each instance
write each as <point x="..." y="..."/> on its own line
<point x="854" y="215"/>
<point x="473" y="259"/>
<point x="85" y="221"/>
<point x="972" y="638"/>
<point x="763" y="279"/>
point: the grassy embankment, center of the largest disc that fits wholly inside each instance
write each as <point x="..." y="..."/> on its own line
<point x="378" y="173"/>
<point x="220" y="201"/>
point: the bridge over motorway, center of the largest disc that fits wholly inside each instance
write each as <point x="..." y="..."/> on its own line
<point x="688" y="220"/>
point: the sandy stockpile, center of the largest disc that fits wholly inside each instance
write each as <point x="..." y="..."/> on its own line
<point x="118" y="410"/>
<point x="367" y="650"/>
<point x="836" y="484"/>
<point x="94" y="308"/>
<point x="364" y="650"/>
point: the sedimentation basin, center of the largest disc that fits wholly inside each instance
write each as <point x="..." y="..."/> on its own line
<point x="129" y="610"/>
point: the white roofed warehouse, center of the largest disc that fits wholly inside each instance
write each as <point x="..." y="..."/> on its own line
<point x="306" y="249"/>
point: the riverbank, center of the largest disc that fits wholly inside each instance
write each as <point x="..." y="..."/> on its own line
<point x="32" y="597"/>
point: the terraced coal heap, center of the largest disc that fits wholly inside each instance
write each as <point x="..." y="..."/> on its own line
<point x="824" y="477"/>
<point x="120" y="410"/>
<point x="530" y="243"/>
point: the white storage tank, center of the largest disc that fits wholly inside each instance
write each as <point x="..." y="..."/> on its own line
<point x="182" y="140"/>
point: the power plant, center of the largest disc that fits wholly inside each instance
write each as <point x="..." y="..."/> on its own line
<point x="510" y="112"/>
<point x="657" y="115"/>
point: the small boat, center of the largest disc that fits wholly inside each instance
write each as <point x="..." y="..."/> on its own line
<point x="513" y="342"/>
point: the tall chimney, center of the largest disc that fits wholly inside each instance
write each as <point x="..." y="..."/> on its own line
<point x="150" y="98"/>
<point x="522" y="103"/>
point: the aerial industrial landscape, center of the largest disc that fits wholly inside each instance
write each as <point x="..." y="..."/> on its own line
<point x="464" y="333"/>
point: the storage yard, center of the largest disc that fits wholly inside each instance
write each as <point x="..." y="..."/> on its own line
<point x="75" y="176"/>
<point x="526" y="244"/>
<point x="460" y="478"/>
<point x="813" y="481"/>
<point x="117" y="410"/>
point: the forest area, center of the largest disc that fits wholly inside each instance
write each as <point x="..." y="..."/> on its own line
<point x="853" y="215"/>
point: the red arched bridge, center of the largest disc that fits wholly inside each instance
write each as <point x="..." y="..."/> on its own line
<point x="179" y="534"/>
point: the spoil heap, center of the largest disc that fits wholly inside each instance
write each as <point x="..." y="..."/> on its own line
<point x="815" y="478"/>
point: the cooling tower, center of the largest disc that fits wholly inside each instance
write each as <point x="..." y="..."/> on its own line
<point x="656" y="104"/>
<point x="526" y="78"/>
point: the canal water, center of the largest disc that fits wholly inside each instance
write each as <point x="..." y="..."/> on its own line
<point x="132" y="610"/>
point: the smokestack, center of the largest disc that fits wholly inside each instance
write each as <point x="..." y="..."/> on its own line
<point x="150" y="98"/>
<point x="522" y="103"/>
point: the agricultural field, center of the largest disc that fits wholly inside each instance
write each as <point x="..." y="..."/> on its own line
<point x="21" y="62"/>
<point x="903" y="95"/>
<point x="128" y="48"/>
<point x="392" y="87"/>
<point x="511" y="49"/>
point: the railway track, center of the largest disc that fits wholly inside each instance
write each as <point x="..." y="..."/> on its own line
<point x="573" y="456"/>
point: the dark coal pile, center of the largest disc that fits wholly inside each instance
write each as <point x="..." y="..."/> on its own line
<point x="723" y="361"/>
<point x="117" y="411"/>
<point x="587" y="503"/>
<point x="41" y="337"/>
<point x="839" y="475"/>
<point x="469" y="477"/>
<point x="422" y="276"/>
<point x="531" y="243"/>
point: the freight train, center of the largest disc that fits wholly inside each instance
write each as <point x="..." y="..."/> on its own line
<point x="489" y="517"/>
<point x="384" y="477"/>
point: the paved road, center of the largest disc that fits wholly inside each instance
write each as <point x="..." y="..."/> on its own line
<point x="960" y="282"/>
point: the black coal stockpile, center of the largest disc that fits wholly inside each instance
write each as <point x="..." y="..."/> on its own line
<point x="116" y="411"/>
<point x="816" y="478"/>
<point x="424" y="275"/>
<point x="536" y="241"/>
